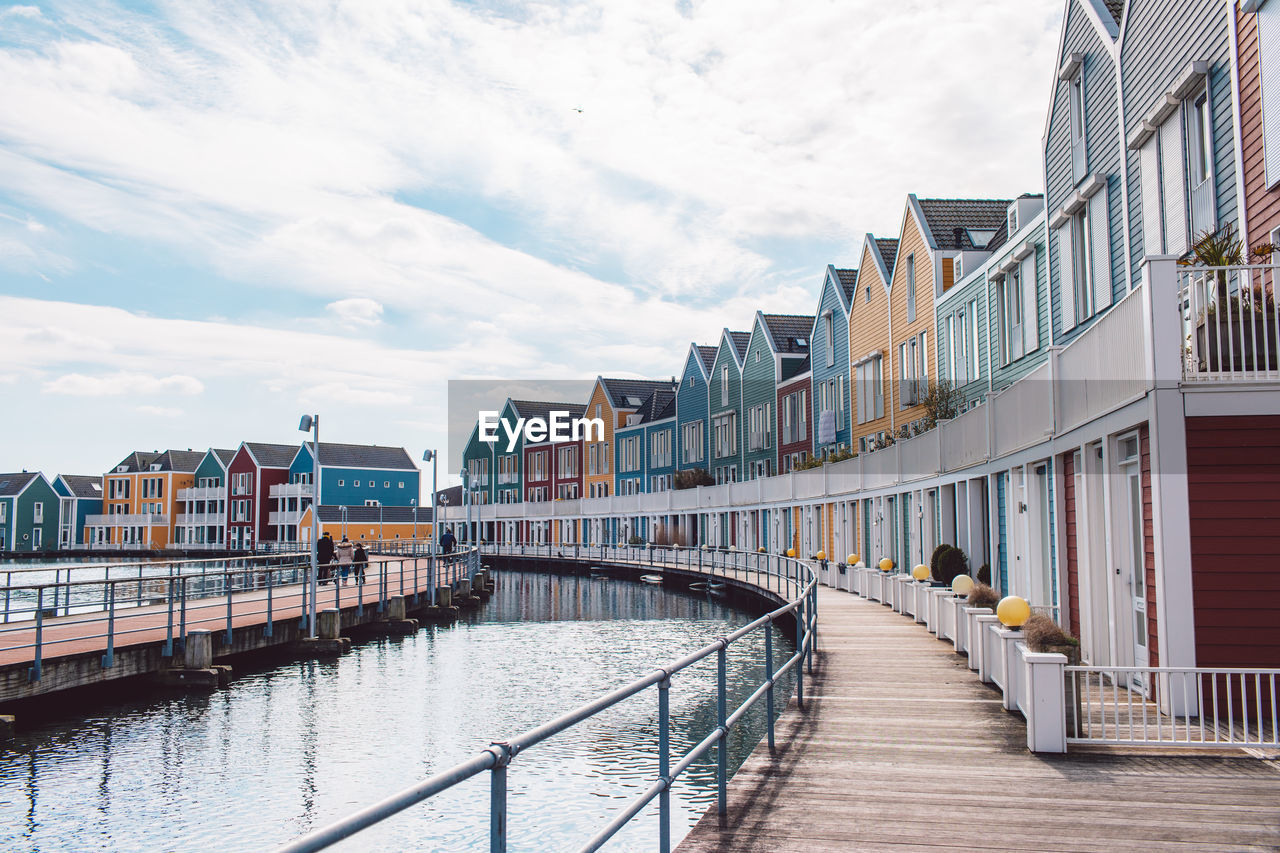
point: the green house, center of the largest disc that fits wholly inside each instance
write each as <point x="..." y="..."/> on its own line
<point x="778" y="347"/>
<point x="724" y="393"/>
<point x="28" y="513"/>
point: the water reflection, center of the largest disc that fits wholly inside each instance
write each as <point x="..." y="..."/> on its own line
<point x="290" y="747"/>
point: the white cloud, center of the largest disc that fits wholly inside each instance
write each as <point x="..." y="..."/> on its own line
<point x="118" y="384"/>
<point x="356" y="311"/>
<point x="160" y="411"/>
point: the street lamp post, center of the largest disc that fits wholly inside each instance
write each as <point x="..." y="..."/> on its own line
<point x="311" y="423"/>
<point x="431" y="456"/>
<point x="466" y="502"/>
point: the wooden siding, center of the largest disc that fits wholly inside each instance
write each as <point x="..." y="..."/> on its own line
<point x="691" y="405"/>
<point x="1149" y="548"/>
<point x="759" y="386"/>
<point x="1262" y="206"/>
<point x="601" y="479"/>
<point x="869" y="333"/>
<point x="725" y="357"/>
<point x="1104" y="145"/>
<point x="805" y="444"/>
<point x="1163" y="37"/>
<point x="910" y="242"/>
<point x="1071" y="531"/>
<point x="832" y="300"/>
<point x="1233" y="478"/>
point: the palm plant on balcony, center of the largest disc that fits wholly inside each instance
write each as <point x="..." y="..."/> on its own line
<point x="1236" y="330"/>
<point x="942" y="401"/>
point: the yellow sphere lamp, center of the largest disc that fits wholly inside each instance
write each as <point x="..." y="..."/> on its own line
<point x="791" y="552"/>
<point x="920" y="572"/>
<point x="962" y="584"/>
<point x="759" y="550"/>
<point x="852" y="559"/>
<point x="886" y="565"/>
<point x="821" y="555"/>
<point x="1013" y="611"/>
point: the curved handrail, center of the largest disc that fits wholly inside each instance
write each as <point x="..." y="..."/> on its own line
<point x="791" y="574"/>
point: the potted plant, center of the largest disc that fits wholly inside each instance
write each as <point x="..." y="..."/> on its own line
<point x="1234" y="330"/>
<point x="1042" y="634"/>
<point x="948" y="563"/>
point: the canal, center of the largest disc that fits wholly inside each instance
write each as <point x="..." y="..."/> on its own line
<point x="290" y="746"/>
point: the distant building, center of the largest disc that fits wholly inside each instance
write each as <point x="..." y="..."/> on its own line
<point x="202" y="514"/>
<point x="79" y="496"/>
<point x="28" y="512"/>
<point x="140" y="499"/>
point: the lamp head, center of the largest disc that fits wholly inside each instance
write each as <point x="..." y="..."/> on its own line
<point x="1013" y="611"/>
<point x="428" y="455"/>
<point x="920" y="572"/>
<point x="304" y="425"/>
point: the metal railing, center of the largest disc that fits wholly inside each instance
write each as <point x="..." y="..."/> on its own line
<point x="1230" y="323"/>
<point x="781" y="572"/>
<point x="167" y="600"/>
<point x="1172" y="706"/>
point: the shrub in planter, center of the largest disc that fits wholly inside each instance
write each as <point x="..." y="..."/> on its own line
<point x="984" y="574"/>
<point x="983" y="596"/>
<point x="951" y="564"/>
<point x="1044" y="635"/>
<point x="933" y="560"/>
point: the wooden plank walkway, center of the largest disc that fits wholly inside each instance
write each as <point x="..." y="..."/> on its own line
<point x="901" y="747"/>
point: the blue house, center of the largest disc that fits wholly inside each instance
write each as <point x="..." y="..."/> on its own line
<point x="1083" y="161"/>
<point x="830" y="359"/>
<point x="724" y="402"/>
<point x="692" y="428"/>
<point x="1179" y="125"/>
<point x="359" y="475"/>
<point x="78" y="497"/>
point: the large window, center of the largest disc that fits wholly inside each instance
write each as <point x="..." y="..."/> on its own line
<point x="691" y="439"/>
<point x="1076" y="95"/>
<point x="870" y="384"/>
<point x="911" y="288"/>
<point x="724" y="385"/>
<point x="726" y="435"/>
<point x="828" y="329"/>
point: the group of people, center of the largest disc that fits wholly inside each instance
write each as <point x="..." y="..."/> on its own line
<point x="348" y="557"/>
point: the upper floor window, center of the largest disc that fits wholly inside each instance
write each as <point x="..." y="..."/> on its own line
<point x="829" y="329"/>
<point x="1076" y="94"/>
<point x="724" y="386"/>
<point x="911" y="288"/>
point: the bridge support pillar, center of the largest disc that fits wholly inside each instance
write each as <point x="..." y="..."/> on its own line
<point x="396" y="621"/>
<point x="8" y="724"/>
<point x="196" y="669"/>
<point x="328" y="639"/>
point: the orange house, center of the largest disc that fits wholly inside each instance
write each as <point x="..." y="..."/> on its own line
<point x="869" y="344"/>
<point x="612" y="401"/>
<point x="140" y="499"/>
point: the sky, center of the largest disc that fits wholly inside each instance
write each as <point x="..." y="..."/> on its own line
<point x="216" y="216"/>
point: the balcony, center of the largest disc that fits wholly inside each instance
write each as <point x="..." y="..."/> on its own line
<point x="290" y="490"/>
<point x="202" y="493"/>
<point x="1230" y="324"/>
<point x="127" y="520"/>
<point x="200" y="519"/>
<point x="289" y="517"/>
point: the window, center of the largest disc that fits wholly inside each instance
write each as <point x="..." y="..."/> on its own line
<point x="726" y="435"/>
<point x="724" y="385"/>
<point x="1076" y="96"/>
<point x="4" y="512"/>
<point x="867" y="298"/>
<point x="37" y="537"/>
<point x="341" y="484"/>
<point x="840" y="402"/>
<point x="37" y="512"/>
<point x="1013" y="219"/>
<point x="400" y="485"/>
<point x="386" y="484"/>
<point x="691" y="439"/>
<point x="870" y="387"/>
<point x="975" y="368"/>
<point x="829" y="330"/>
<point x="911" y="288"/>
<point x="1200" y="163"/>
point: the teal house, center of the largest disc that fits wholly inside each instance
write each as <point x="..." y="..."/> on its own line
<point x="79" y="496"/>
<point x="478" y="461"/>
<point x="692" y="428"/>
<point x="829" y="343"/>
<point x="28" y="513"/>
<point x="778" y="347"/>
<point x="725" y="407"/>
<point x="644" y="449"/>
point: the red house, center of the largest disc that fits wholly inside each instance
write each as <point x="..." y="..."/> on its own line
<point x="795" y="431"/>
<point x="253" y="471"/>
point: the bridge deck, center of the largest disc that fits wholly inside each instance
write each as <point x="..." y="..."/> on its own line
<point x="901" y="747"/>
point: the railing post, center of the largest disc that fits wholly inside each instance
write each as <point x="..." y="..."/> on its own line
<point x="768" y="676"/>
<point x="168" y="634"/>
<point x="182" y="614"/>
<point x="800" y="617"/>
<point x="498" y="798"/>
<point x="267" y="632"/>
<point x="664" y="764"/>
<point x="722" y="749"/>
<point x="812" y="613"/>
<point x="33" y="674"/>
<point x="109" y="659"/>
<point x="226" y="579"/>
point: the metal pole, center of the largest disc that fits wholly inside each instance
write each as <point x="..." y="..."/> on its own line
<point x="168" y="636"/>
<point x="110" y="657"/>
<point x="722" y="749"/>
<point x="435" y="527"/>
<point x="312" y="582"/>
<point x="768" y="675"/>
<point x="267" y="632"/>
<point x="664" y="765"/>
<point x="33" y="674"/>
<point x="800" y="652"/>
<point x="498" y="801"/>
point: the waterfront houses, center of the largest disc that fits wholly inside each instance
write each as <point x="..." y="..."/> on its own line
<point x="869" y="343"/>
<point x="724" y="407"/>
<point x="79" y="496"/>
<point x="28" y="512"/>
<point x="644" y="455"/>
<point x="612" y="401"/>
<point x="350" y="475"/>
<point x="777" y="351"/>
<point x="370" y="524"/>
<point x="251" y="474"/>
<point x="692" y="428"/>
<point x="202" y="515"/>
<point x="830" y="362"/>
<point x="140" y="499"/>
<point x="795" y="436"/>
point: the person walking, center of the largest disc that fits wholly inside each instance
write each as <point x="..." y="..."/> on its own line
<point x="360" y="562"/>
<point x="447" y="541"/>
<point x="324" y="557"/>
<point x="345" y="552"/>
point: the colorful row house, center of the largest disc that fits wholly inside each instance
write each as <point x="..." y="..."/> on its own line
<point x="79" y="496"/>
<point x="202" y="516"/>
<point x="140" y="499"/>
<point x="28" y="512"/>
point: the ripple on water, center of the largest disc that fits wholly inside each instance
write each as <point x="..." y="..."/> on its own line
<point x="286" y="749"/>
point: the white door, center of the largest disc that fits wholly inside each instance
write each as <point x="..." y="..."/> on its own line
<point x="1130" y="590"/>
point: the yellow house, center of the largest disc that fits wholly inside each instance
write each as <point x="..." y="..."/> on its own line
<point x="369" y="523"/>
<point x="937" y="236"/>
<point x="140" y="499"/>
<point x="612" y="401"/>
<point x="869" y="344"/>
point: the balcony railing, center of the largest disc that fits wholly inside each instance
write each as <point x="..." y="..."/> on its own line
<point x="1230" y="323"/>
<point x="290" y="490"/>
<point x="196" y="519"/>
<point x="202" y="493"/>
<point x="127" y="520"/>
<point x="287" y="517"/>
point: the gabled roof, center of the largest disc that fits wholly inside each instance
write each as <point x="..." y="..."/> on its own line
<point x="363" y="456"/>
<point x="708" y="356"/>
<point x="657" y="406"/>
<point x="13" y="484"/>
<point x="272" y="455"/>
<point x="667" y="411"/>
<point x="225" y="455"/>
<point x="887" y="248"/>
<point x="1116" y="8"/>
<point x="82" y="486"/>
<point x="959" y="223"/>
<point x="883" y="253"/>
<point x="332" y="514"/>
<point x="139" y="460"/>
<point x="542" y="409"/>
<point x="740" y="342"/>
<point x="631" y="393"/>
<point x="788" y="333"/>
<point x="182" y="461"/>
<point x="848" y="284"/>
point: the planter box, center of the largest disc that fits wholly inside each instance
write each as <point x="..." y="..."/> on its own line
<point x="1247" y="342"/>
<point x="987" y="639"/>
<point x="1010" y="669"/>
<point x="969" y="632"/>
<point x="1043" y="699"/>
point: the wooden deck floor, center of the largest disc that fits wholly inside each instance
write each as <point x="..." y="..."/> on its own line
<point x="900" y="747"/>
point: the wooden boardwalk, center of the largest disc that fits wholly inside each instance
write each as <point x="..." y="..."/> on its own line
<point x="900" y="747"/>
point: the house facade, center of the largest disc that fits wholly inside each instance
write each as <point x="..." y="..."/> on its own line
<point x="692" y="426"/>
<point x="140" y="499"/>
<point x="795" y="431"/>
<point x="869" y="344"/>
<point x="79" y="496"/>
<point x="612" y="401"/>
<point x="829" y="341"/>
<point x="779" y="345"/>
<point x="724" y="407"/>
<point x="29" y="508"/>
<point x="350" y="475"/>
<point x="202" y="512"/>
<point x="254" y="470"/>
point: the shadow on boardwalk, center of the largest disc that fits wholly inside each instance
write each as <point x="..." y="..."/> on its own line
<point x="900" y="747"/>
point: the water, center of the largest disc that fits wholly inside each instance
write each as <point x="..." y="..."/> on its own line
<point x="291" y="747"/>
